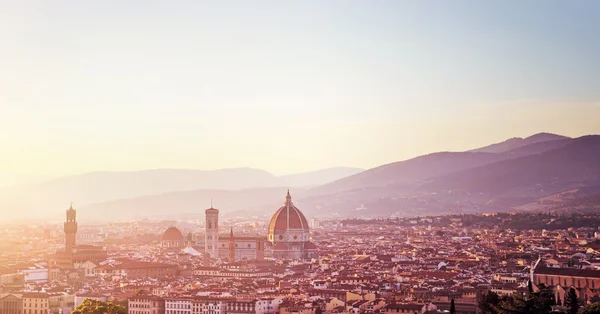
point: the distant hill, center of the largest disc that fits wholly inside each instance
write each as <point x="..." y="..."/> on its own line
<point x="249" y="202"/>
<point x="96" y="187"/>
<point x="413" y="171"/>
<point x="574" y="165"/>
<point x="575" y="200"/>
<point x="408" y="172"/>
<point x="319" y="177"/>
<point x="517" y="142"/>
<point x="446" y="183"/>
<point x="524" y="173"/>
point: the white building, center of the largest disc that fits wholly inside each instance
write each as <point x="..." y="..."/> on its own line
<point x="178" y="306"/>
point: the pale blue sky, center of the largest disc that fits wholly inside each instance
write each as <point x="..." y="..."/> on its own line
<point x="286" y="86"/>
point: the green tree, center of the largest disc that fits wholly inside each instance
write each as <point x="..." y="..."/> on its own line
<point x="452" y="307"/>
<point x="571" y="301"/>
<point x="592" y="308"/>
<point x="93" y="306"/>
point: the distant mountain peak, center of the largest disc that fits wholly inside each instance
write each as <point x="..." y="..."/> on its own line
<point x="545" y="136"/>
<point x="516" y="142"/>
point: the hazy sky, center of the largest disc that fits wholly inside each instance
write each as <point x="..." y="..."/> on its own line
<point x="286" y="86"/>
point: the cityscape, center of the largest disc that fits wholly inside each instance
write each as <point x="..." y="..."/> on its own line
<point x="300" y="157"/>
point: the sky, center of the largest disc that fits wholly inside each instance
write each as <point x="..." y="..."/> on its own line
<point x="286" y="86"/>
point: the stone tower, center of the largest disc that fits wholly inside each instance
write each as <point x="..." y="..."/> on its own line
<point x="70" y="228"/>
<point x="211" y="236"/>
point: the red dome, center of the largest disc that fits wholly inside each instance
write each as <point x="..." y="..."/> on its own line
<point x="288" y="216"/>
<point x="172" y="234"/>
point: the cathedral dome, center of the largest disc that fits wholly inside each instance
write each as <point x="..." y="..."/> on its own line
<point x="287" y="217"/>
<point x="172" y="234"/>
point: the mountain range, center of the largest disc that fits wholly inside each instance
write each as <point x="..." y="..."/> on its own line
<point x="98" y="187"/>
<point x="515" y="174"/>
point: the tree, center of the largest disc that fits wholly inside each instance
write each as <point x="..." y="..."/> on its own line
<point x="489" y="302"/>
<point x="571" y="301"/>
<point x="537" y="302"/>
<point x="93" y="306"/>
<point x="530" y="286"/>
<point x="452" y="307"/>
<point x="592" y="308"/>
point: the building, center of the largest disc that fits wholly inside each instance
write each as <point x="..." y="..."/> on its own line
<point x="585" y="281"/>
<point x="209" y="306"/>
<point x="135" y="270"/>
<point x="146" y="305"/>
<point x="268" y="305"/>
<point x="70" y="228"/>
<point x="11" y="304"/>
<point x="61" y="302"/>
<point x="229" y="246"/>
<point x="240" y="306"/>
<point x="172" y="238"/>
<point x="211" y="236"/>
<point x="73" y="253"/>
<point x="241" y="247"/>
<point x="178" y="306"/>
<point x="36" y="303"/>
<point x="289" y="233"/>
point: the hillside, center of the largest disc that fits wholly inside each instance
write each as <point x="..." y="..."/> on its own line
<point x="513" y="178"/>
<point x="413" y="171"/>
<point x="408" y="172"/>
<point x="319" y="177"/>
<point x="517" y="142"/>
<point x="574" y="165"/>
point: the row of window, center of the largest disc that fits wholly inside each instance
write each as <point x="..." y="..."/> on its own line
<point x="565" y="282"/>
<point x="141" y="312"/>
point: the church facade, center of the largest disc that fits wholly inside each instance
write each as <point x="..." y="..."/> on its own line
<point x="288" y="237"/>
<point x="230" y="247"/>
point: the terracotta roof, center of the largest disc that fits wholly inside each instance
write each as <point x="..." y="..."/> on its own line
<point x="172" y="234"/>
<point x="286" y="217"/>
<point x="571" y="272"/>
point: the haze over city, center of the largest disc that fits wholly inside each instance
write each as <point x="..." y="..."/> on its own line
<point x="299" y="157"/>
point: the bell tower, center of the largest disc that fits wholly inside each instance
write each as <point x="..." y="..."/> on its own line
<point x="211" y="236"/>
<point x="70" y="228"/>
